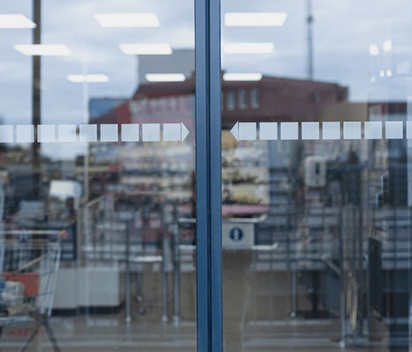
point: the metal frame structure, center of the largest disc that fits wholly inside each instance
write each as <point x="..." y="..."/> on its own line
<point x="39" y="253"/>
<point x="208" y="176"/>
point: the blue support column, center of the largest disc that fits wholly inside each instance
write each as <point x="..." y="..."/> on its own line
<point x="208" y="176"/>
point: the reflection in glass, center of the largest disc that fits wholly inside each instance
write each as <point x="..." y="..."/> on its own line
<point x="97" y="236"/>
<point x="316" y="177"/>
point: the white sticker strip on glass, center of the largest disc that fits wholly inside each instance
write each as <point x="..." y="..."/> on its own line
<point x="130" y="132"/>
<point x="24" y="133"/>
<point x="409" y="129"/>
<point x="185" y="131"/>
<point x="6" y="133"/>
<point x="330" y="130"/>
<point x="109" y="133"/>
<point x="235" y="131"/>
<point x="46" y="133"/>
<point x="289" y="131"/>
<point x="172" y="132"/>
<point x="373" y="130"/>
<point x="393" y="129"/>
<point x="67" y="133"/>
<point x="247" y="131"/>
<point x="88" y="133"/>
<point x="310" y="130"/>
<point x="177" y="132"/>
<point x="352" y="130"/>
<point x="151" y="132"/>
<point x="268" y="131"/>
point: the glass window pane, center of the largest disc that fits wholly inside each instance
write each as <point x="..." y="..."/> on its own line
<point x="317" y="175"/>
<point x="97" y="186"/>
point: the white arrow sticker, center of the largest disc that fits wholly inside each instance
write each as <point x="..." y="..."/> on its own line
<point x="235" y="131"/>
<point x="185" y="131"/>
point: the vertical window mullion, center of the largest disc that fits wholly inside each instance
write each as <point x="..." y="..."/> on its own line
<point x="208" y="175"/>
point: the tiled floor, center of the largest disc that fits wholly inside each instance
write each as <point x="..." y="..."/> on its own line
<point x="111" y="333"/>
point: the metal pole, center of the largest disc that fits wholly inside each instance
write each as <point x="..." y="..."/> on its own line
<point x="362" y="275"/>
<point x="164" y="279"/>
<point x="294" y="291"/>
<point x="139" y="274"/>
<point x="342" y="341"/>
<point x="310" y="41"/>
<point x="292" y="266"/>
<point x="368" y="297"/>
<point x="127" y="274"/>
<point x="176" y="275"/>
<point x="36" y="100"/>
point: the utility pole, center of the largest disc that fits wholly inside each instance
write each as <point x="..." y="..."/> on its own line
<point x="310" y="41"/>
<point x="36" y="101"/>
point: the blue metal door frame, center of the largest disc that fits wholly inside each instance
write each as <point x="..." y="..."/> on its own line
<point x="208" y="176"/>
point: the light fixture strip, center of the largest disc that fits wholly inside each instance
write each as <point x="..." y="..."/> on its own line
<point x="165" y="77"/>
<point x="123" y="20"/>
<point x="146" y="49"/>
<point x="255" y="19"/>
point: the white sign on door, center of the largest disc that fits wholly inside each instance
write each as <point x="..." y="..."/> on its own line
<point x="238" y="235"/>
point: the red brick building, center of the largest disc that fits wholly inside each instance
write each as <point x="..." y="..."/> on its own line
<point x="270" y="99"/>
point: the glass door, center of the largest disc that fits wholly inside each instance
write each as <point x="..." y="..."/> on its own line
<point x="316" y="175"/>
<point x="97" y="186"/>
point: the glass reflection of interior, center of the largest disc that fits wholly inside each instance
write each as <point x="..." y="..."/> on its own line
<point x="97" y="238"/>
<point x="316" y="175"/>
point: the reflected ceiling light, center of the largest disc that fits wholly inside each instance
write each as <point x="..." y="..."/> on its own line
<point x="242" y="76"/>
<point x="146" y="49"/>
<point x="165" y="77"/>
<point x="127" y="19"/>
<point x="15" y="21"/>
<point x="389" y="73"/>
<point x="373" y="49"/>
<point x="387" y="45"/>
<point x="89" y="78"/>
<point x="255" y="19"/>
<point x="382" y="73"/>
<point x="249" y="48"/>
<point x="43" y="49"/>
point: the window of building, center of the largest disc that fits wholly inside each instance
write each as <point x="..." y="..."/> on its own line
<point x="242" y="99"/>
<point x="173" y="103"/>
<point x="254" y="98"/>
<point x="230" y="100"/>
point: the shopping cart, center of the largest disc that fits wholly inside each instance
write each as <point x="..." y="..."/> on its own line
<point x="29" y="262"/>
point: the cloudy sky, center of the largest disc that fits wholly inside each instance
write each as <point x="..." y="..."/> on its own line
<point x="343" y="31"/>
